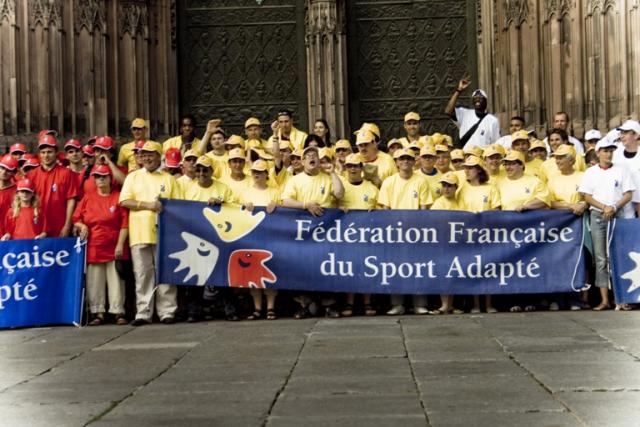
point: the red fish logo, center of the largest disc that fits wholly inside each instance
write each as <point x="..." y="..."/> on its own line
<point x="247" y="269"/>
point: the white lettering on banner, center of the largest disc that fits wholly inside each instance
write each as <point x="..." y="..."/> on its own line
<point x="458" y="233"/>
<point x="18" y="293"/>
<point x="493" y="270"/>
<point x="404" y="270"/>
<point x="328" y="267"/>
<point x="34" y="259"/>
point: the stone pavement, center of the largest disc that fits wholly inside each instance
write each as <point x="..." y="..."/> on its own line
<point x="533" y="369"/>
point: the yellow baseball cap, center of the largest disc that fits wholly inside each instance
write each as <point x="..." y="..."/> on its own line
<point x="343" y="143"/>
<point x="537" y="144"/>
<point x="441" y="148"/>
<point x="204" y="161"/>
<point x="428" y="150"/>
<point x="353" y="159"/>
<point x="449" y="178"/>
<point x="152" y="146"/>
<point x="260" y="166"/>
<point x="252" y="121"/>
<point x="492" y="150"/>
<point x="474" y="150"/>
<point x="297" y="153"/>
<point x="426" y="140"/>
<point x="236" y="140"/>
<point x="394" y="141"/>
<point x="414" y="146"/>
<point x="365" y="137"/>
<point x="403" y="152"/>
<point x="565" y="150"/>
<point x="412" y="115"/>
<point x="286" y="145"/>
<point x="262" y="154"/>
<point x="437" y="139"/>
<point x="138" y="123"/>
<point x="325" y="152"/>
<point x="371" y="127"/>
<point x="514" y="156"/>
<point x="311" y="148"/>
<point x="457" y="154"/>
<point x="448" y="140"/>
<point x="473" y="161"/>
<point x="237" y="153"/>
<point x="519" y="134"/>
<point x="190" y="153"/>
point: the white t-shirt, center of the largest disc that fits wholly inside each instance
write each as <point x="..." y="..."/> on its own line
<point x="633" y="164"/>
<point x="487" y="133"/>
<point x="573" y="140"/>
<point x="608" y="186"/>
<point x="505" y="141"/>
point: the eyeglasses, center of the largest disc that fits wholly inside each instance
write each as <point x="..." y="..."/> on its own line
<point x="97" y="176"/>
<point x="202" y="170"/>
<point x="137" y="129"/>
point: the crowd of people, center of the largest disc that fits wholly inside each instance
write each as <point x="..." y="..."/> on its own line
<point x="110" y="197"/>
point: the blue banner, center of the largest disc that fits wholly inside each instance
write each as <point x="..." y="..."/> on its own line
<point x="389" y="251"/>
<point x="624" y="256"/>
<point x="41" y="282"/>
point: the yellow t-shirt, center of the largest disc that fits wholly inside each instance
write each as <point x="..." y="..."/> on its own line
<point x="237" y="187"/>
<point x="126" y="157"/>
<point x="183" y="183"/>
<point x="550" y="169"/>
<point x="363" y="196"/>
<point x="296" y="137"/>
<point x="399" y="193"/>
<point x="514" y="193"/>
<point x="217" y="190"/>
<point x="444" y="204"/>
<point x="434" y="185"/>
<point x="260" y="197"/>
<point x="564" y="188"/>
<point x="386" y="165"/>
<point x="219" y="163"/>
<point x="176" y="142"/>
<point x="532" y="167"/>
<point x="144" y="186"/>
<point x="479" y="198"/>
<point x="307" y="188"/>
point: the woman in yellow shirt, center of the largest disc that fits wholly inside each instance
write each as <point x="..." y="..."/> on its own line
<point x="448" y="201"/>
<point x="479" y="196"/>
<point x="261" y="194"/>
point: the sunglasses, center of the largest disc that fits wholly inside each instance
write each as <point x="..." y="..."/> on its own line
<point x="202" y="170"/>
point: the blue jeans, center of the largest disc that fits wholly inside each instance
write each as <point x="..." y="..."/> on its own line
<point x="599" y="235"/>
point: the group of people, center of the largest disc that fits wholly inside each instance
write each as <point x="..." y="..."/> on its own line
<point x="110" y="197"/>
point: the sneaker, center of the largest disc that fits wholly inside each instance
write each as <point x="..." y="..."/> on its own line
<point x="396" y="310"/>
<point x="331" y="313"/>
<point x="475" y="311"/>
<point x="492" y="310"/>
<point x="420" y="310"/>
<point x="554" y="306"/>
<point x="140" y="322"/>
<point x="575" y="307"/>
<point x="168" y="320"/>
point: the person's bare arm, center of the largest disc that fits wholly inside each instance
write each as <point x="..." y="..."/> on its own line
<point x="450" y="109"/>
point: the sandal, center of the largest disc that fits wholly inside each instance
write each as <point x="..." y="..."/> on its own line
<point x="97" y="321"/>
<point x="530" y="308"/>
<point x="457" y="311"/>
<point x="121" y="321"/>
<point x="348" y="311"/>
<point x="438" y="311"/>
<point x="369" y="310"/>
<point x="257" y="314"/>
<point x="303" y="313"/>
<point x="623" y="307"/>
<point x="601" y="307"/>
<point x="271" y="315"/>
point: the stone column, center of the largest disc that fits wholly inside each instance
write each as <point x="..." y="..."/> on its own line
<point x="327" y="64"/>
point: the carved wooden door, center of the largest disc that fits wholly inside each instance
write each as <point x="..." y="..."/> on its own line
<point x="242" y="58"/>
<point x="407" y="56"/>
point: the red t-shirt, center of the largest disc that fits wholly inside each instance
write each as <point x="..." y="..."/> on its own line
<point x="25" y="226"/>
<point x="78" y="176"/>
<point x="104" y="217"/>
<point x="90" y="183"/>
<point x="54" y="187"/>
<point x="6" y="198"/>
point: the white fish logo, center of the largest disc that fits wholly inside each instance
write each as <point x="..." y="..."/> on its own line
<point x="200" y="257"/>
<point x="633" y="274"/>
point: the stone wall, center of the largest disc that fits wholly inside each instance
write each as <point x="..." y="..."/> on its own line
<point x="537" y="57"/>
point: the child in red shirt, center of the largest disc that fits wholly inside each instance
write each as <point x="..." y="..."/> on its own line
<point x="24" y="219"/>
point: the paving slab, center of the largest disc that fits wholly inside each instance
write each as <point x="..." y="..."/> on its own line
<point x="357" y="420"/>
<point x="614" y="409"/>
<point x="462" y="418"/>
<point x="289" y="404"/>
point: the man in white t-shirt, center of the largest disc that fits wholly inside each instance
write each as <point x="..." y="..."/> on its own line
<point x="628" y="155"/>
<point x="561" y="121"/>
<point x="608" y="189"/>
<point x="515" y="124"/>
<point x="488" y="129"/>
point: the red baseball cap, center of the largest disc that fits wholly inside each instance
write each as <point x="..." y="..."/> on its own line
<point x="139" y="144"/>
<point x="18" y="147"/>
<point x="73" y="143"/>
<point x="172" y="158"/>
<point x="87" y="150"/>
<point x="26" y="185"/>
<point x="9" y="162"/>
<point x="47" y="141"/>
<point x="104" y="143"/>
<point x="30" y="160"/>
<point x="101" y="170"/>
<point x="92" y="139"/>
<point x="44" y="132"/>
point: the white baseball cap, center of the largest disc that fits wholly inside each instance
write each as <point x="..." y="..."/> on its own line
<point x="604" y="143"/>
<point x="479" y="92"/>
<point x="630" y="125"/>
<point x="592" y="134"/>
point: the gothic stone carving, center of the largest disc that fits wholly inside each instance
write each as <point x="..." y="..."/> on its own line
<point x="90" y="14"/>
<point x="45" y="12"/>
<point x="516" y="11"/>
<point x="133" y="19"/>
<point x="7" y="10"/>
